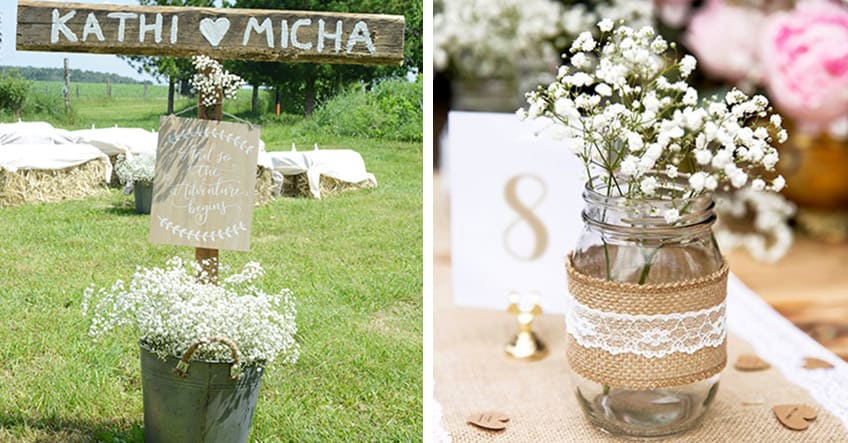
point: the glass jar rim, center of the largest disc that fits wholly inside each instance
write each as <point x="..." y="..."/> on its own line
<point x="648" y="214"/>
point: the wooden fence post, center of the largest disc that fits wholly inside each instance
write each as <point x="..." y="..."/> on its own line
<point x="67" y="90"/>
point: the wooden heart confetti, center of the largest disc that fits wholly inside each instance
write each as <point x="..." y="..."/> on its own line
<point x="815" y="363"/>
<point x="750" y="362"/>
<point x="493" y="421"/>
<point x="795" y="417"/>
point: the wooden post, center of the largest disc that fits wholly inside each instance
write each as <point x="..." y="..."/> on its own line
<point x="78" y="91"/>
<point x="67" y="90"/>
<point x="108" y="87"/>
<point x="208" y="258"/>
<point x="145" y="90"/>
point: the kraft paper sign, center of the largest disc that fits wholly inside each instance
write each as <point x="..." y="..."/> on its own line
<point x="204" y="186"/>
<point x="515" y="210"/>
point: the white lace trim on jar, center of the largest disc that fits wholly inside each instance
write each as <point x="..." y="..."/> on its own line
<point x="652" y="336"/>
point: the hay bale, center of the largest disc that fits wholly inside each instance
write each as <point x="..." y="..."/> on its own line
<point x="298" y="186"/>
<point x="43" y="186"/>
<point x="115" y="181"/>
<point x="268" y="185"/>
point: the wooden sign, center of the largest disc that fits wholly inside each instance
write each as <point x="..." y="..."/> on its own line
<point x="245" y="34"/>
<point x="204" y="186"/>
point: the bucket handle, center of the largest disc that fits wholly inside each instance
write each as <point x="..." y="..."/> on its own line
<point x="235" y="370"/>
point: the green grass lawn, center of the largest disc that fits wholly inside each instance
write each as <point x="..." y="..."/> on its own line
<point x="354" y="262"/>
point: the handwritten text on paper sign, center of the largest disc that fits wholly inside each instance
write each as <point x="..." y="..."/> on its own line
<point x="247" y="34"/>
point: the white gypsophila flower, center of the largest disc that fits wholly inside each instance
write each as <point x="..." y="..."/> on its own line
<point x="640" y="124"/>
<point x="605" y="25"/>
<point x="169" y="309"/>
<point x="687" y="65"/>
<point x="671" y="215"/>
<point x="603" y="89"/>
<point x="634" y="141"/>
<point x="769" y="237"/>
<point x="131" y="168"/>
<point x="648" y="185"/>
<point x="212" y="83"/>
<point x="703" y="156"/>
<point x="778" y="184"/>
<point x="671" y="171"/>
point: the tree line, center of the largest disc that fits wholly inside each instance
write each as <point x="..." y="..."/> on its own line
<point x="58" y="75"/>
<point x="298" y="87"/>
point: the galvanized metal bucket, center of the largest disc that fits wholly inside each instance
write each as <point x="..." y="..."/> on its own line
<point x="143" y="197"/>
<point x="197" y="401"/>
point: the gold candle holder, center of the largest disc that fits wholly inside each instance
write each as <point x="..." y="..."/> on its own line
<point x="525" y="345"/>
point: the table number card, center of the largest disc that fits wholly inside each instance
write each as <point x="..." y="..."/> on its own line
<point x="515" y="210"/>
<point x="204" y="186"/>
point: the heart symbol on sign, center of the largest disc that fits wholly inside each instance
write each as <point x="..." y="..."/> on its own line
<point x="214" y="30"/>
<point x="795" y="417"/>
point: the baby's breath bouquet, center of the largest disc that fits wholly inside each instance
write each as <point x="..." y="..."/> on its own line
<point x="170" y="309"/>
<point x="624" y="107"/>
<point x="132" y="168"/>
<point x="212" y="82"/>
<point x="494" y="38"/>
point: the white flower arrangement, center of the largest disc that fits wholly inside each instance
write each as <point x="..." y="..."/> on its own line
<point x="494" y="38"/>
<point x="624" y="107"/>
<point x="170" y="309"/>
<point x="132" y="168"/>
<point x="499" y="38"/>
<point x="212" y="82"/>
<point x="757" y="221"/>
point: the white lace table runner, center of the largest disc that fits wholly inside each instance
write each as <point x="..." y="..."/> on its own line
<point x="784" y="346"/>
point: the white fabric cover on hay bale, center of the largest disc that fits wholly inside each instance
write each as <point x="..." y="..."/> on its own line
<point x="116" y="141"/>
<point x="34" y="133"/>
<point x="320" y="173"/>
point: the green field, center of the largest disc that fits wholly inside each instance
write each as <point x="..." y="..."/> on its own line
<point x="354" y="262"/>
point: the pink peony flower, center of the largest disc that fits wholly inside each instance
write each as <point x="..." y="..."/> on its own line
<point x="805" y="63"/>
<point x="725" y="39"/>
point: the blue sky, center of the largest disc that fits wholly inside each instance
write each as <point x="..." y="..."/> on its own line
<point x="92" y="62"/>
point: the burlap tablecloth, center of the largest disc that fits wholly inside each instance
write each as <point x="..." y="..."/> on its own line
<point x="472" y="374"/>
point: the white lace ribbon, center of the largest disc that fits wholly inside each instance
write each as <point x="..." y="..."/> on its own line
<point x="652" y="336"/>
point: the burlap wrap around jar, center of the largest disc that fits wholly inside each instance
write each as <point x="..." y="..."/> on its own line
<point x="692" y="310"/>
<point x="645" y="322"/>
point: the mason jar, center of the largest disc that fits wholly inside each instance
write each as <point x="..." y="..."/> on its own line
<point x="646" y="319"/>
